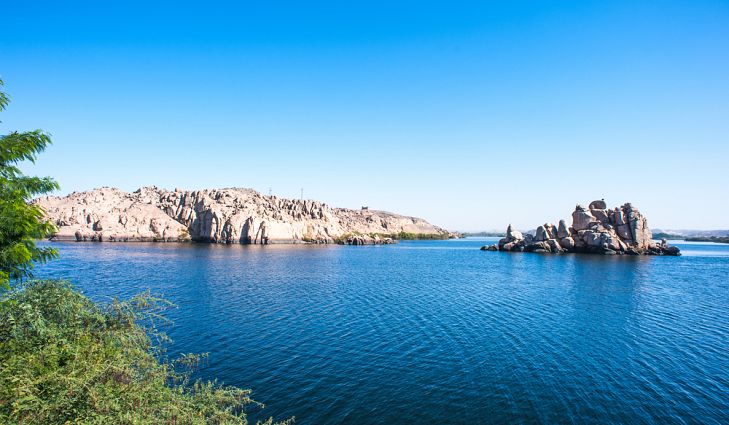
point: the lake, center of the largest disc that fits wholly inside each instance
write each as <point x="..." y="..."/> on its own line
<point x="438" y="331"/>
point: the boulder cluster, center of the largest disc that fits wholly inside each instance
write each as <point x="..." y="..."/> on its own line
<point x="595" y="230"/>
<point x="366" y="240"/>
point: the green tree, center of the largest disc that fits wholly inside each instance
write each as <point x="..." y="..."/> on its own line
<point x="21" y="222"/>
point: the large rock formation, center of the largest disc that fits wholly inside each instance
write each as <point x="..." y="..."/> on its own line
<point x="219" y="215"/>
<point x="596" y="229"/>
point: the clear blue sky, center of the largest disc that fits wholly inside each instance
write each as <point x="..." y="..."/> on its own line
<point x="471" y="115"/>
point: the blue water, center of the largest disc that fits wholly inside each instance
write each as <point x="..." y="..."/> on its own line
<point x="439" y="332"/>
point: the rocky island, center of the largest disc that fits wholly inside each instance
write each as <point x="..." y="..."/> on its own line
<point x="231" y="215"/>
<point x="595" y="230"/>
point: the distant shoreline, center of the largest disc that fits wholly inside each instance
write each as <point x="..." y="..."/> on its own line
<point x="669" y="236"/>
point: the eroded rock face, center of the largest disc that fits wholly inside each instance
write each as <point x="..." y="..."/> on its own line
<point x="596" y="229"/>
<point x="562" y="231"/>
<point x="513" y="234"/>
<point x="367" y="240"/>
<point x="582" y="219"/>
<point x="218" y="215"/>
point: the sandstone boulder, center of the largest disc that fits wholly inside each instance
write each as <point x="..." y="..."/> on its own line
<point x="601" y="216"/>
<point x="552" y="230"/>
<point x="562" y="231"/>
<point x="598" y="205"/>
<point x="541" y="234"/>
<point x="567" y="243"/>
<point x="512" y="234"/>
<point x="582" y="219"/>
<point x="554" y="246"/>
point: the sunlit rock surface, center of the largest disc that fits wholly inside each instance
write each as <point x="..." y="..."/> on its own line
<point x="595" y="229"/>
<point x="232" y="215"/>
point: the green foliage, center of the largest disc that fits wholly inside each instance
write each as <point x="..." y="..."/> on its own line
<point x="395" y="236"/>
<point x="407" y="236"/>
<point x="21" y="223"/>
<point x="65" y="359"/>
<point x="342" y="239"/>
<point x="184" y="235"/>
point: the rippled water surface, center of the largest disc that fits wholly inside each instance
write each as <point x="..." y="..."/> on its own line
<point x="439" y="332"/>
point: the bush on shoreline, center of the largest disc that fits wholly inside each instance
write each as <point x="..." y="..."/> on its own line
<point x="64" y="358"/>
<point x="406" y="236"/>
<point x="399" y="236"/>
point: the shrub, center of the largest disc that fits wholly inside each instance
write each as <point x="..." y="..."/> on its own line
<point x="64" y="358"/>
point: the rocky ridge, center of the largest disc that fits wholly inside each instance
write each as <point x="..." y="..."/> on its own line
<point x="231" y="215"/>
<point x="596" y="230"/>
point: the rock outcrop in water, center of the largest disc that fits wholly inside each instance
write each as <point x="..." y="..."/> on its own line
<point x="219" y="215"/>
<point x="595" y="229"/>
